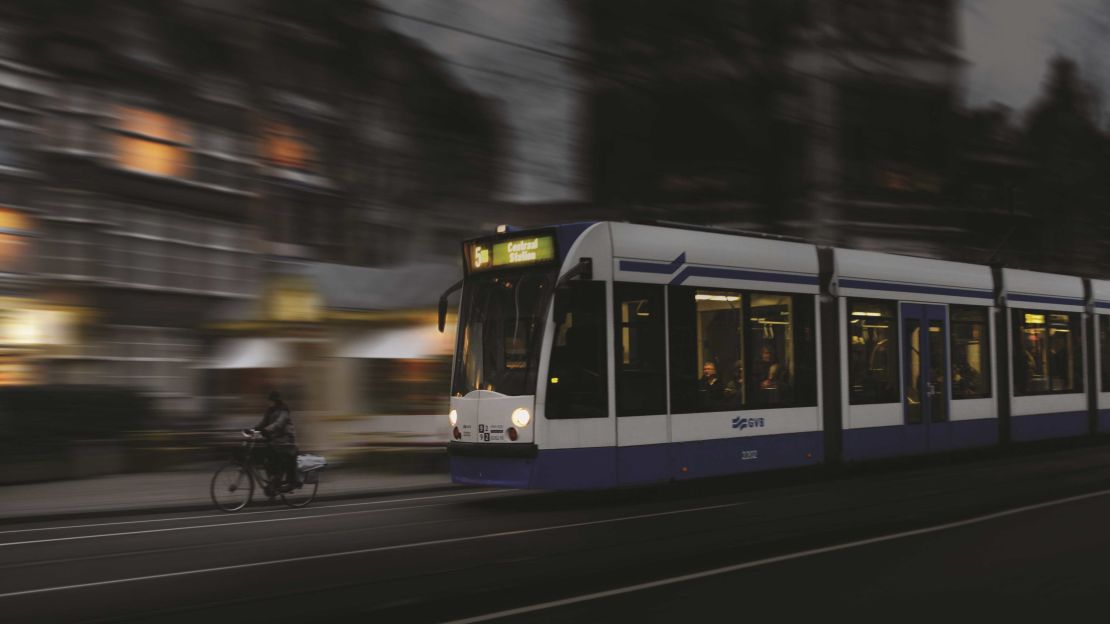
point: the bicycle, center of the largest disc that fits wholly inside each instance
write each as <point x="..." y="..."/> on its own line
<point x="233" y="484"/>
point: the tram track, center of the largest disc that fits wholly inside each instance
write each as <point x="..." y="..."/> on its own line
<point x="417" y="562"/>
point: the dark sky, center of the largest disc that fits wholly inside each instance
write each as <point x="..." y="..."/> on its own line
<point x="1007" y="44"/>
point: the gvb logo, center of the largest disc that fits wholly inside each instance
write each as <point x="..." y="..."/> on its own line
<point x="746" y="423"/>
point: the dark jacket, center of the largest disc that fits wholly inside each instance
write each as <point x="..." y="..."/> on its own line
<point x="277" y="424"/>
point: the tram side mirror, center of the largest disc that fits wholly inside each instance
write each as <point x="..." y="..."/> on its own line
<point x="443" y="304"/>
<point x="584" y="269"/>
<point x="442" y="314"/>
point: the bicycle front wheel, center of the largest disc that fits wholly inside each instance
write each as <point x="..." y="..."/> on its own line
<point x="232" y="487"/>
<point x="304" y="494"/>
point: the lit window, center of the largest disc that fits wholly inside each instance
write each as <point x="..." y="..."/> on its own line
<point x="14" y="220"/>
<point x="14" y="372"/>
<point x="152" y="143"/>
<point x="971" y="351"/>
<point x="872" y="352"/>
<point x="13" y="244"/>
<point x="284" y="146"/>
<point x="1047" y="353"/>
<point x="150" y="157"/>
<point x="13" y="253"/>
<point x="707" y="350"/>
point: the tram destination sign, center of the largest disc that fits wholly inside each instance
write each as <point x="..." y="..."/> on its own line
<point x="512" y="252"/>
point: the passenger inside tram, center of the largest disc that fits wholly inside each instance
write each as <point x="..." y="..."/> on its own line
<point x="711" y="390"/>
<point x="768" y="368"/>
<point x="733" y="350"/>
<point x="734" y="389"/>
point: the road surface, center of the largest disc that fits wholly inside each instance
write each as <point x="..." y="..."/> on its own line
<point x="1019" y="534"/>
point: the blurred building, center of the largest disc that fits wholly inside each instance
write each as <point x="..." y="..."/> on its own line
<point x="831" y="120"/>
<point x="883" y="82"/>
<point x="692" y="109"/>
<point x="181" y="179"/>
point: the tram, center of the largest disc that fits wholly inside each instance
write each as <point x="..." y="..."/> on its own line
<point x="599" y="355"/>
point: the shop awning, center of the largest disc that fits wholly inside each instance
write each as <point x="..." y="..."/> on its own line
<point x="250" y="353"/>
<point x="401" y="343"/>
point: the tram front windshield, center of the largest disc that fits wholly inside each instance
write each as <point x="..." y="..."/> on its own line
<point x="500" y="332"/>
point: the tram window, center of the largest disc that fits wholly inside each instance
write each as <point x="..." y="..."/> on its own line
<point x="872" y="352"/>
<point x="578" y="378"/>
<point x="1046" y="352"/>
<point x="498" y="347"/>
<point x="640" y="351"/>
<point x="1104" y="350"/>
<point x="781" y="344"/>
<point x="971" y="352"/>
<point x="707" y="350"/>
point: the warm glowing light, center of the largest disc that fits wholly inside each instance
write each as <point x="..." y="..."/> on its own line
<point x="521" y="417"/>
<point x="36" y="327"/>
<point x="766" y="322"/>
<point x="13" y="249"/>
<point x="13" y="220"/>
<point x="16" y="374"/>
<point x="1034" y="319"/>
<point x="867" y="313"/>
<point x="705" y="297"/>
<point x="294" y="303"/>
<point x="151" y="156"/>
<point x="453" y="417"/>
<point x="554" y="380"/>
<point x="284" y="146"/>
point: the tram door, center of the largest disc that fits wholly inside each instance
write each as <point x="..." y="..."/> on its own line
<point x="641" y="383"/>
<point x="925" y="377"/>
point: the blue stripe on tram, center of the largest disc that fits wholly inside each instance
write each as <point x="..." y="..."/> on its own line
<point x="605" y="467"/>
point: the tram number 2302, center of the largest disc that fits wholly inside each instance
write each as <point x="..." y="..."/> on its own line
<point x="746" y="455"/>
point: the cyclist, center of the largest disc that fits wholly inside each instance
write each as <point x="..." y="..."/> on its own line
<point x="277" y="427"/>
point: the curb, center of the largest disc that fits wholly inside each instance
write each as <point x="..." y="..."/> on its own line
<point x="208" y="506"/>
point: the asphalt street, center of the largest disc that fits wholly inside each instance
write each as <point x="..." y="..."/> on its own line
<point x="1023" y="534"/>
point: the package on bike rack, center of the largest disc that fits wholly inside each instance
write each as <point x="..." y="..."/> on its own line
<point x="307" y="462"/>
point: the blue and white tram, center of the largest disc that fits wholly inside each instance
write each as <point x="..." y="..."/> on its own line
<point x="606" y="354"/>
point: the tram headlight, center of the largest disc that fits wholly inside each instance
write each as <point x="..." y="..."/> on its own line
<point x="453" y="417"/>
<point x="521" y="417"/>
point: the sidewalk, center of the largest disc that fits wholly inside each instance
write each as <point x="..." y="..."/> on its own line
<point x="164" y="491"/>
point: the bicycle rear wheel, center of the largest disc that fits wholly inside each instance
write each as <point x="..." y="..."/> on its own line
<point x="304" y="494"/>
<point x="232" y="487"/>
